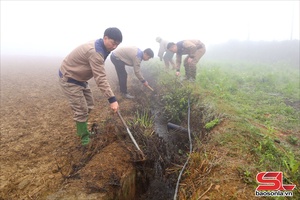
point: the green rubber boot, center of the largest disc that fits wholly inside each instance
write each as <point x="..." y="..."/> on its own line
<point x="83" y="133"/>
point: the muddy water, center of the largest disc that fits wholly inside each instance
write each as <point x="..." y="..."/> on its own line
<point x="158" y="186"/>
<point x="157" y="177"/>
<point x="161" y="184"/>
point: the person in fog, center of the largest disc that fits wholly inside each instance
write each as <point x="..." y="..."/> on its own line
<point x="164" y="53"/>
<point x="130" y="56"/>
<point x="83" y="63"/>
<point x="194" y="49"/>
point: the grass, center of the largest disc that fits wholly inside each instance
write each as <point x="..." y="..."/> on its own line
<point x="256" y="92"/>
<point x="211" y="124"/>
<point x="144" y="120"/>
<point x="252" y="127"/>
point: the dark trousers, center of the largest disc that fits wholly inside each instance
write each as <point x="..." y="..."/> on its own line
<point x="121" y="72"/>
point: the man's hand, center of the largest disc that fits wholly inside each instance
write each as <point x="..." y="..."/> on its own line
<point x="114" y="106"/>
<point x="146" y="83"/>
<point x="190" y="60"/>
<point x="177" y="73"/>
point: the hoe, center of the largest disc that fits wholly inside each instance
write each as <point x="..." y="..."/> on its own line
<point x="132" y="138"/>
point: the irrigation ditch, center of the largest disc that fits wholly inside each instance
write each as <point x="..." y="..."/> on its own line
<point x="164" y="150"/>
<point x="166" y="147"/>
<point x="95" y="173"/>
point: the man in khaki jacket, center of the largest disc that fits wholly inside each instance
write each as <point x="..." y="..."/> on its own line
<point x="164" y="53"/>
<point x="83" y="63"/>
<point x="194" y="49"/>
<point x="130" y="56"/>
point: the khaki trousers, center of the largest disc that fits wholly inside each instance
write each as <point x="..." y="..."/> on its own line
<point x="80" y="99"/>
<point x="190" y="69"/>
<point x="168" y="59"/>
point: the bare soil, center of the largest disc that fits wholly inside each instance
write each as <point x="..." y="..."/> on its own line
<point x="41" y="155"/>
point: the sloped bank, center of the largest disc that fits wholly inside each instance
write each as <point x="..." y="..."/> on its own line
<point x="107" y="169"/>
<point x="165" y="148"/>
<point x="103" y="170"/>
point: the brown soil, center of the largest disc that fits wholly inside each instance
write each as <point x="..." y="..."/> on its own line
<point x="41" y="156"/>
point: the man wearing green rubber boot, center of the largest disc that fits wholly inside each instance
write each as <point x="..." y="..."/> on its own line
<point x="83" y="63"/>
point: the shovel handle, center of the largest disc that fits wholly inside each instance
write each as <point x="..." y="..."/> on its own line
<point x="148" y="86"/>
<point x="123" y="121"/>
<point x="131" y="136"/>
<point x="128" y="131"/>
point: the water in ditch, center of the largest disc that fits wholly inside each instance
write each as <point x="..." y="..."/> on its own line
<point x="157" y="177"/>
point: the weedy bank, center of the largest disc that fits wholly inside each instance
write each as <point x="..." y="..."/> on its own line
<point x="244" y="120"/>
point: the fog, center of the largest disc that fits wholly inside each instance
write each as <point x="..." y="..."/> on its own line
<point x="54" y="28"/>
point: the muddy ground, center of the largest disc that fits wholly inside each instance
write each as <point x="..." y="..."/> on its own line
<point x="41" y="156"/>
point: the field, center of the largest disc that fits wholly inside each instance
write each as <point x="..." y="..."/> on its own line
<point x="245" y="119"/>
<point x="40" y="152"/>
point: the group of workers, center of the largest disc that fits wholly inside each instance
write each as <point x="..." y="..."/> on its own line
<point x="88" y="61"/>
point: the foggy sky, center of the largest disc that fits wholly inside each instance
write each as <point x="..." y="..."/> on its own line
<point x="56" y="27"/>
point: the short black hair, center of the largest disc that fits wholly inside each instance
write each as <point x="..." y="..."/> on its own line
<point x="170" y="44"/>
<point x="114" y="33"/>
<point x="149" y="52"/>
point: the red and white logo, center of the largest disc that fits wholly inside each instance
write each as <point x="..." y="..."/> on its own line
<point x="271" y="184"/>
<point x="272" y="181"/>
